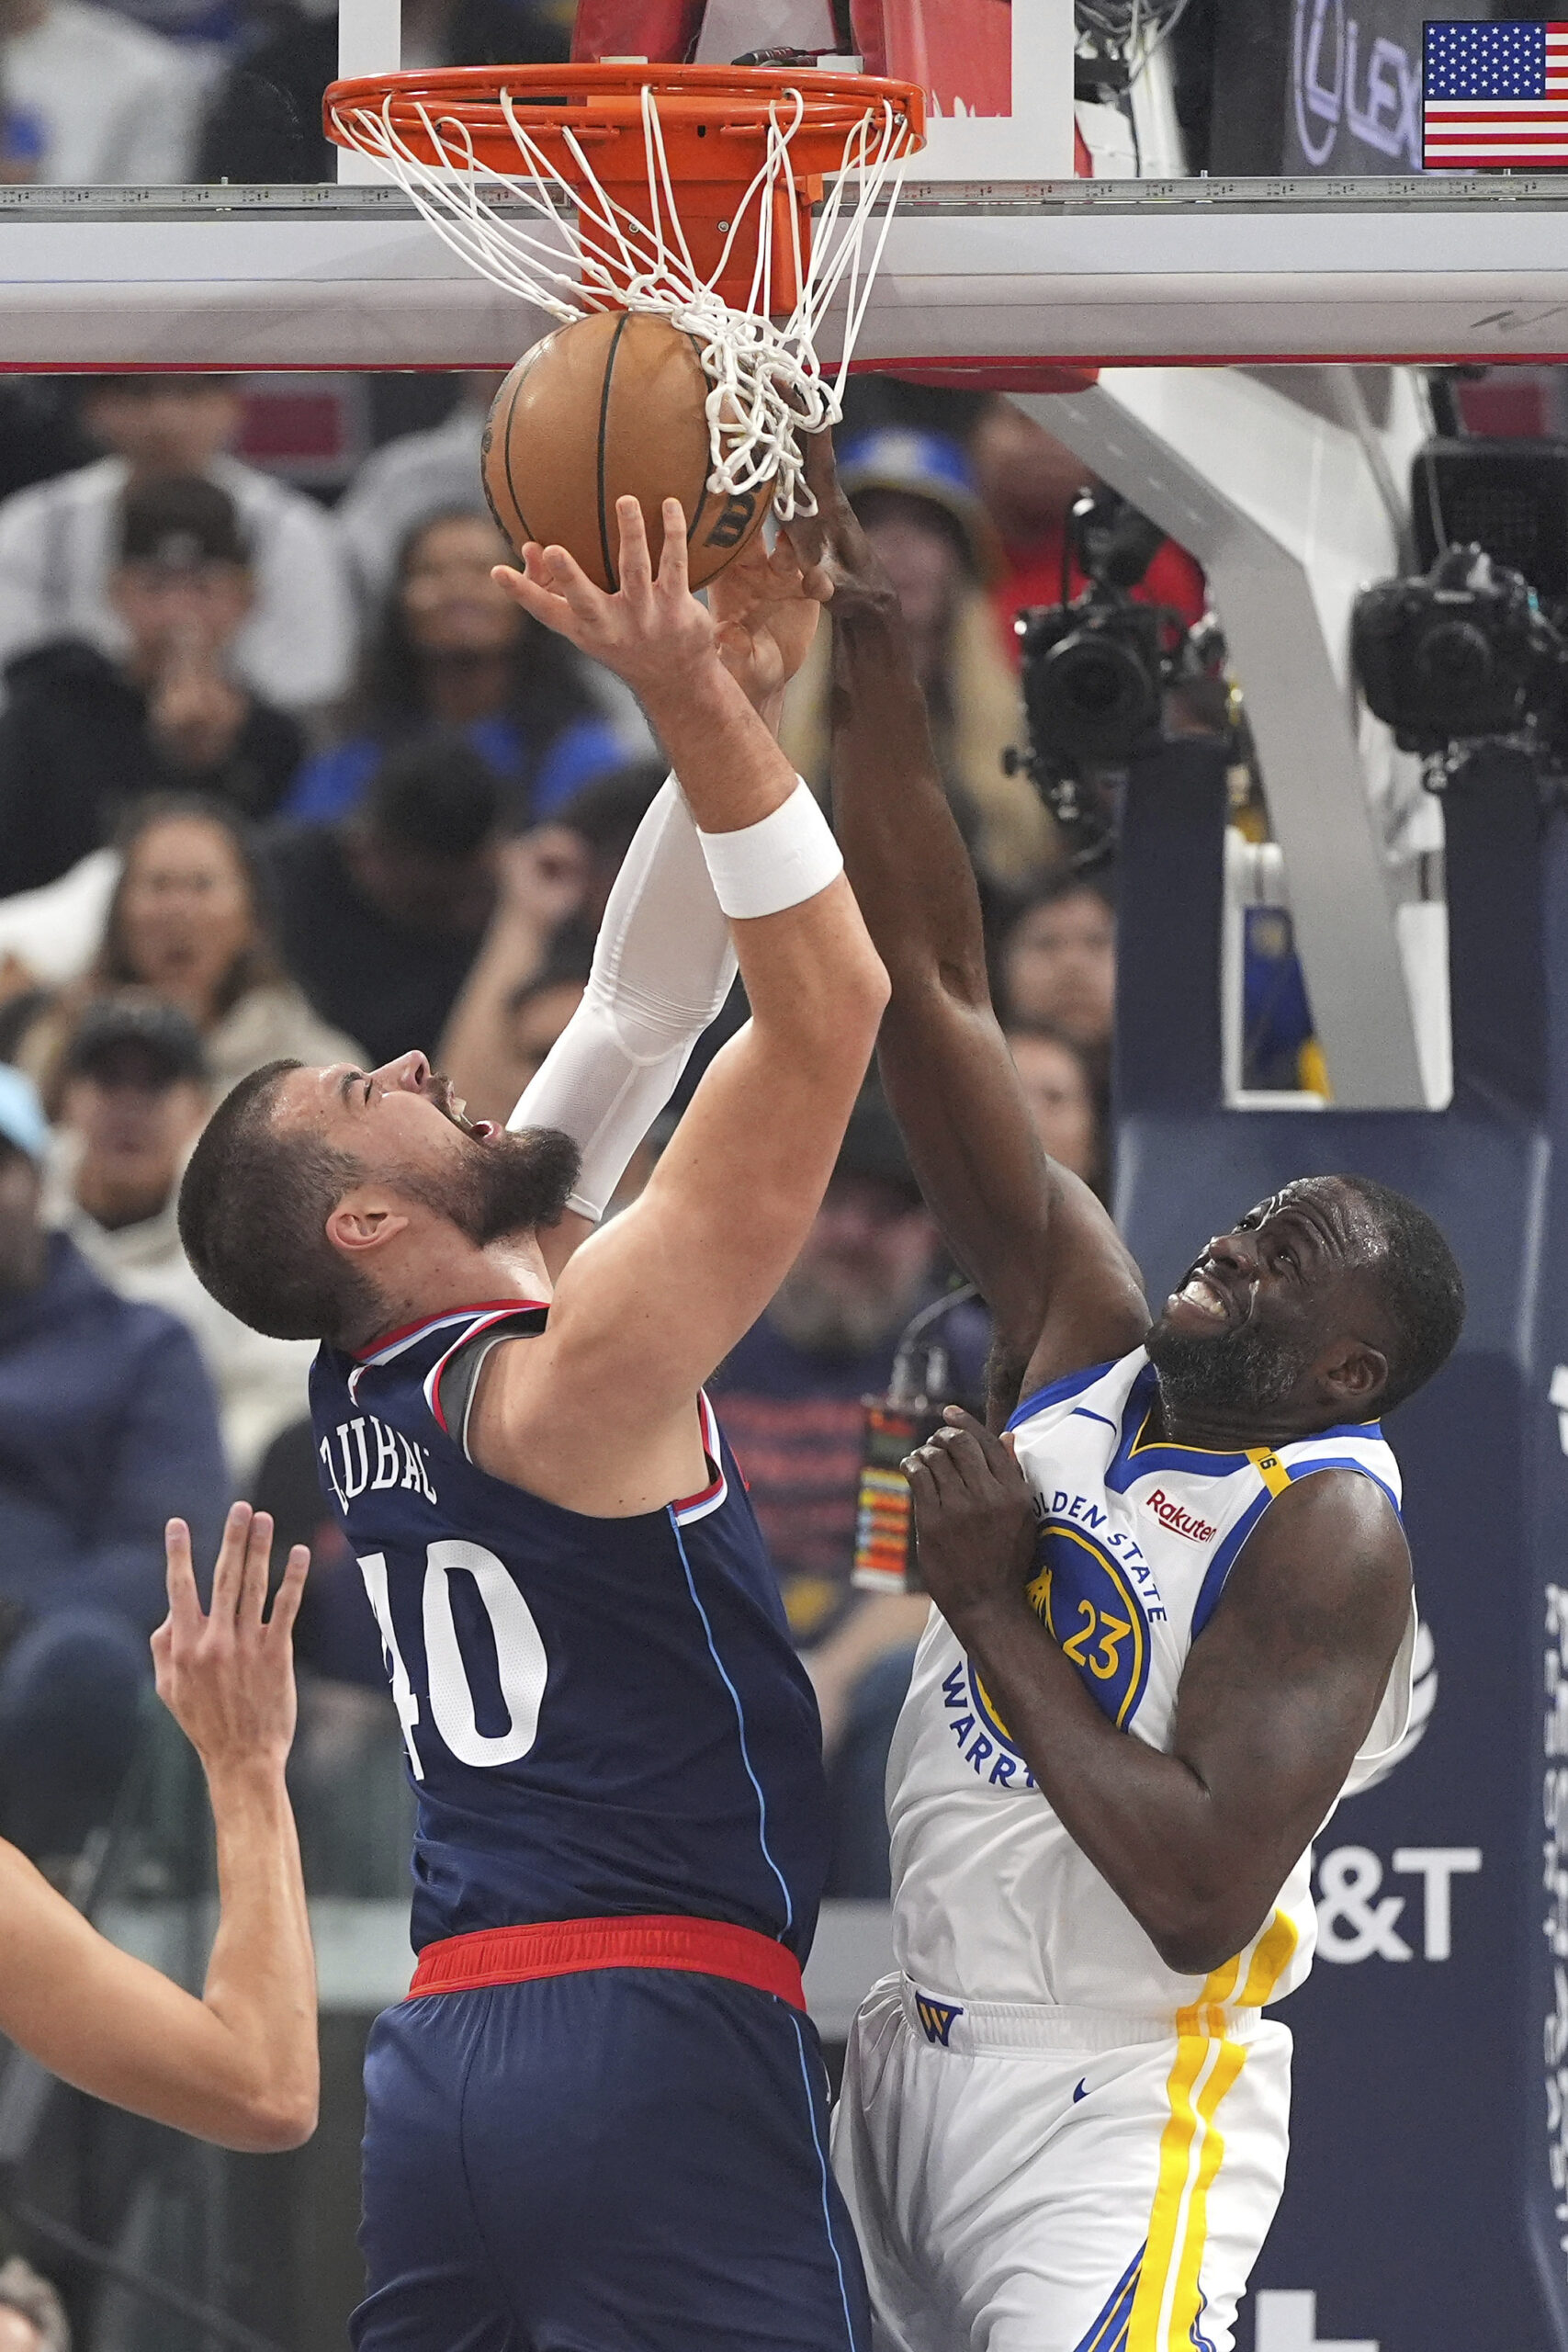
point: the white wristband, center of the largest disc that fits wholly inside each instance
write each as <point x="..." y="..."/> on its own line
<point x="778" y="862"/>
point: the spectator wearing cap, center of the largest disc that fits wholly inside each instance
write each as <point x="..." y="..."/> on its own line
<point x="108" y="1425"/>
<point x="916" y="498"/>
<point x="452" y="651"/>
<point x="791" y="1398"/>
<point x="188" y="919"/>
<point x="32" y="2317"/>
<point x="59" y="540"/>
<point x="84" y="734"/>
<point x="382" y="915"/>
<point x="135" y="1094"/>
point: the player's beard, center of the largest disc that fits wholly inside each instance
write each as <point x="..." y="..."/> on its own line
<point x="517" y="1183"/>
<point x="1235" y="1372"/>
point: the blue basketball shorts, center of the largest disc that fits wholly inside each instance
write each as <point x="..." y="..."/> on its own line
<point x="621" y="2160"/>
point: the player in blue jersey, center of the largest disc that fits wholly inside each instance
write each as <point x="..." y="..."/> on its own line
<point x="599" y="2120"/>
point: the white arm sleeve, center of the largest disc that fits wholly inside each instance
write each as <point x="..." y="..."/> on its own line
<point x="662" y="968"/>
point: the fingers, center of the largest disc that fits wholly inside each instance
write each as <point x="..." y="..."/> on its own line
<point x="922" y="1482"/>
<point x="672" y="570"/>
<point x="636" y="563"/>
<point x="998" y="1454"/>
<point x="553" y="589"/>
<point x="227" y="1578"/>
<point x="257" y="1570"/>
<point x="286" y="1606"/>
<point x="184" y="1605"/>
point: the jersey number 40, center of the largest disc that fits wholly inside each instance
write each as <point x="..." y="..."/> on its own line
<point x="519" y="1655"/>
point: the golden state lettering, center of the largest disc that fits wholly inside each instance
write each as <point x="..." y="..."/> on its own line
<point x="1078" y="1510"/>
<point x="364" y="1457"/>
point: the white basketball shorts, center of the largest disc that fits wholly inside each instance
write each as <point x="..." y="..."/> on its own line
<point x="1049" y="2180"/>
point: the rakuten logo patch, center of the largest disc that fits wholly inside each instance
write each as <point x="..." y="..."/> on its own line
<point x="1179" y="1522"/>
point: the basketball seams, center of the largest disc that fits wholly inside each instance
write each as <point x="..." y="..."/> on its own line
<point x="610" y="405"/>
<point x="611" y="573"/>
<point x="521" y="375"/>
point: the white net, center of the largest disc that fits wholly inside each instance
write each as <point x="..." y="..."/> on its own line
<point x="566" y="244"/>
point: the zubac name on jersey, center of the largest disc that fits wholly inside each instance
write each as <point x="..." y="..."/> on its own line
<point x="604" y="1717"/>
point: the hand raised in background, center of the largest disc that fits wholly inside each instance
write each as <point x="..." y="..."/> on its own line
<point x="226" y="1676"/>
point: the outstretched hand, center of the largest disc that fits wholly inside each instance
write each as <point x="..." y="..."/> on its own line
<point x="652" y="632"/>
<point x="974" y="1519"/>
<point x="766" y="616"/>
<point x="839" y="564"/>
<point x="226" y="1677"/>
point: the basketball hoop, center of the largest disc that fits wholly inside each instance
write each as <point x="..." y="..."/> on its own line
<point x="684" y="191"/>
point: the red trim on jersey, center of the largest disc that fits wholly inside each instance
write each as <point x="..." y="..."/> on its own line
<point x="711" y="1445"/>
<point x="433" y="1378"/>
<point x="570" y="1947"/>
<point x="480" y="1307"/>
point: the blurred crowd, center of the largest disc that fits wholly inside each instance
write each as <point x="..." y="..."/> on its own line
<point x="281" y="775"/>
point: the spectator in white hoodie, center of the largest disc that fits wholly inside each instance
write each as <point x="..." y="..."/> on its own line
<point x="59" y="539"/>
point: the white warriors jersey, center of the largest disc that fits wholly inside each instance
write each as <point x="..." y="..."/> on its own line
<point x="992" y="1901"/>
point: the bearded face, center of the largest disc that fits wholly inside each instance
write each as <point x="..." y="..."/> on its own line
<point x="1235" y="1372"/>
<point x="507" y="1184"/>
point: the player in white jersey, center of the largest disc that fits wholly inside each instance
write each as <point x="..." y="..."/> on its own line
<point x="1173" y="1625"/>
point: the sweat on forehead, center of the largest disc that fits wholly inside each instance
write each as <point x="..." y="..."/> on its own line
<point x="1337" y="1200"/>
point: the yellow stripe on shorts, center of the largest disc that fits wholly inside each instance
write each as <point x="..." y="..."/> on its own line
<point x="1192" y="2148"/>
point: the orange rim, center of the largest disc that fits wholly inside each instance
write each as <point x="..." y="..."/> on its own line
<point x="714" y="119"/>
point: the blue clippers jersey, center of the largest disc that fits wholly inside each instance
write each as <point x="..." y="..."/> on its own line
<point x="603" y="1716"/>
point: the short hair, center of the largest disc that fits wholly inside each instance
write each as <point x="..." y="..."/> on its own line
<point x="253" y="1213"/>
<point x="1422" y="1288"/>
<point x="437" y="796"/>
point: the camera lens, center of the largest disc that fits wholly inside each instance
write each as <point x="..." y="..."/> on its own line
<point x="1454" y="661"/>
<point x="1093" y="698"/>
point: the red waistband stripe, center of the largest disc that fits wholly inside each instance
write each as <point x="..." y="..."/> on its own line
<point x="492" y="1956"/>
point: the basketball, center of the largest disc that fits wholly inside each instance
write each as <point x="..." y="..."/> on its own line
<point x="610" y="407"/>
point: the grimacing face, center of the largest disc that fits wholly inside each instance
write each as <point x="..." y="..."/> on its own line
<point x="1267" y="1309"/>
<point x="408" y="1132"/>
<point x="403" y="1115"/>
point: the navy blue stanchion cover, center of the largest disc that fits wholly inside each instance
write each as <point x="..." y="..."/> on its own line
<point x="1426" y="2208"/>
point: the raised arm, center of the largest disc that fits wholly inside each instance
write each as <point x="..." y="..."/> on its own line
<point x="655" y="1301"/>
<point x="1063" y="1289"/>
<point x="238" y="2066"/>
<point x="663" y="962"/>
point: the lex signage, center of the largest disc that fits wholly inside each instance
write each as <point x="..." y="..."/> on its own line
<point x="1354" y="82"/>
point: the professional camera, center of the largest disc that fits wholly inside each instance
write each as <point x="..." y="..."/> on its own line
<point x="1462" y="656"/>
<point x="1095" y="669"/>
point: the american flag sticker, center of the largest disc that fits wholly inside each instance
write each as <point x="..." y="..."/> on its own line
<point x="1494" y="97"/>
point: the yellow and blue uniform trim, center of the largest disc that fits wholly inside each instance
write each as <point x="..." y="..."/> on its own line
<point x="1169" y="2303"/>
<point x="1107" y="2330"/>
